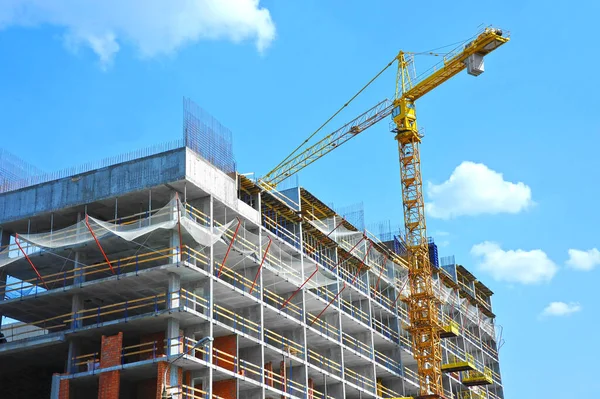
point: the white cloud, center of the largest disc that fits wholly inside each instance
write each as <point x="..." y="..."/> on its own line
<point x="583" y="260"/>
<point x="153" y="26"/>
<point x="474" y="189"/>
<point x="561" y="309"/>
<point x="514" y="266"/>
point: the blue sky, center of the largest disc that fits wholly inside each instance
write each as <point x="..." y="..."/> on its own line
<point x="85" y="82"/>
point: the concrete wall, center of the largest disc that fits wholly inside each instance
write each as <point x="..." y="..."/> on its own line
<point x="212" y="180"/>
<point x="93" y="186"/>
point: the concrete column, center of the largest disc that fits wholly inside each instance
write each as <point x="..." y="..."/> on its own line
<point x="74" y="344"/>
<point x="76" y="307"/>
<point x="4" y="240"/>
<point x="174" y="243"/>
<point x="174" y="291"/>
<point x="54" y="390"/>
<point x="339" y="390"/>
<point x="175" y="346"/>
<point x="262" y="318"/>
<point x="173" y="324"/>
<point x="303" y="307"/>
<point x="74" y="351"/>
<point x="211" y="279"/>
<point x="371" y="333"/>
<point x="78" y="263"/>
<point x="175" y="343"/>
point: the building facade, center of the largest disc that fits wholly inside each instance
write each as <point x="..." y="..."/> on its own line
<point x="170" y="273"/>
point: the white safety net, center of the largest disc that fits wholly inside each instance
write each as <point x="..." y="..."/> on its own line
<point x="350" y="240"/>
<point x="165" y="218"/>
<point x="280" y="257"/>
<point x="487" y="325"/>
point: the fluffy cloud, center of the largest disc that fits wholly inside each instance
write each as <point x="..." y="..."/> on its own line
<point x="153" y="26"/>
<point x="583" y="260"/>
<point x="514" y="266"/>
<point x="561" y="309"/>
<point x="474" y="189"/>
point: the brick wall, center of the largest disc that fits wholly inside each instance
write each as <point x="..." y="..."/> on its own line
<point x="225" y="389"/>
<point x="311" y="387"/>
<point x="227" y="344"/>
<point x="109" y="385"/>
<point x="160" y="375"/>
<point x="110" y="352"/>
<point x="160" y="372"/>
<point x="63" y="390"/>
<point x="110" y="355"/>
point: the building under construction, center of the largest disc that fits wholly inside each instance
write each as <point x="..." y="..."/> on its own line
<point x="165" y="273"/>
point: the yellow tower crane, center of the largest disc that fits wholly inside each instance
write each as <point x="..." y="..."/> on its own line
<point x="423" y="305"/>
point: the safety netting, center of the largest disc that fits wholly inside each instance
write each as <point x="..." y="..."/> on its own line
<point x="279" y="257"/>
<point x="90" y="229"/>
<point x="176" y="217"/>
<point x="355" y="243"/>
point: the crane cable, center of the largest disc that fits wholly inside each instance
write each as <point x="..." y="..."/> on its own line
<point x="352" y="99"/>
<point x="335" y="114"/>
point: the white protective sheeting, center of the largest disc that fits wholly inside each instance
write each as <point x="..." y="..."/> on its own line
<point x="165" y="218"/>
<point x="69" y="236"/>
<point x="9" y="255"/>
<point x="280" y="258"/>
<point x="346" y="238"/>
<point x="128" y="233"/>
<point x="446" y="293"/>
<point x="202" y="234"/>
<point x="487" y="325"/>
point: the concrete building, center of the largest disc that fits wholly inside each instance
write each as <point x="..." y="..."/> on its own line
<point x="168" y="270"/>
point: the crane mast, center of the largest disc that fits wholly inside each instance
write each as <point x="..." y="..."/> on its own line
<point x="423" y="304"/>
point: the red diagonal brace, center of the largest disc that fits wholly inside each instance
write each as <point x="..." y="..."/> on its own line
<point x="87" y="223"/>
<point x="363" y="262"/>
<point x="330" y="302"/>
<point x="398" y="296"/>
<point x="261" y="264"/>
<point x="350" y="252"/>
<point x="229" y="248"/>
<point x="328" y="234"/>
<point x="29" y="260"/>
<point x="380" y="272"/>
<point x="299" y="288"/>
